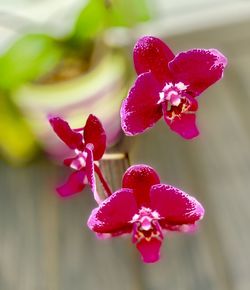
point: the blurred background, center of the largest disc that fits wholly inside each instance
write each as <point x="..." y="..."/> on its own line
<point x="75" y="58"/>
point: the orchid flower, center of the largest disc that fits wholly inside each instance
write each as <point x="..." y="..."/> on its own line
<point x="146" y="208"/>
<point x="88" y="144"/>
<point x="168" y="85"/>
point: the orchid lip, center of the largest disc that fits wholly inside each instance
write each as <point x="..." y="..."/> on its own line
<point x="146" y="225"/>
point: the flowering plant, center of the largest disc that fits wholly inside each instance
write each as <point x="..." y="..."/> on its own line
<point x="167" y="86"/>
<point x="89" y="144"/>
<point x="151" y="208"/>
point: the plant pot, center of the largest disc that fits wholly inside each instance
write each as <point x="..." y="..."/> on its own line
<point x="99" y="91"/>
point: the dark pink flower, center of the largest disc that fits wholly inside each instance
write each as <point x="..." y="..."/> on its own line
<point x="167" y="85"/>
<point x="145" y="208"/>
<point x="89" y="144"/>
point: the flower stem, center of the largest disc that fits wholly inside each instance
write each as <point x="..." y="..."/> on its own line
<point x="103" y="180"/>
<point x="114" y="156"/>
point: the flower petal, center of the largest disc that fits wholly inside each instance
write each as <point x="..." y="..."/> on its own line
<point x="140" y="110"/>
<point x="152" y="54"/>
<point x="140" y="178"/>
<point x="150" y="250"/>
<point x="114" y="214"/>
<point x="176" y="206"/>
<point x="95" y="134"/>
<point x="66" y="134"/>
<point x="184" y="125"/>
<point x="74" y="184"/>
<point x="198" y="68"/>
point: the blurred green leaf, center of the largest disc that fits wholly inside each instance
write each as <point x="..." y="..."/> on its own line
<point x="100" y="14"/>
<point x="29" y="57"/>
<point x="17" y="143"/>
<point x="127" y="12"/>
<point x="91" y="21"/>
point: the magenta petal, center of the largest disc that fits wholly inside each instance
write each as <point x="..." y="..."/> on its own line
<point x="150" y="250"/>
<point x="198" y="68"/>
<point x="152" y="54"/>
<point x="140" y="110"/>
<point x="176" y="206"/>
<point x="74" y="184"/>
<point x="185" y="125"/>
<point x="66" y="134"/>
<point x="114" y="214"/>
<point x="95" y="134"/>
<point x="140" y="178"/>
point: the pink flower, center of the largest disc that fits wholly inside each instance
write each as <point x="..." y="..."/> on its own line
<point x="89" y="144"/>
<point x="167" y="85"/>
<point x="146" y="208"/>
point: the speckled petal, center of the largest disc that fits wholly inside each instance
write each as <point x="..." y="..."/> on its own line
<point x="71" y="138"/>
<point x="140" y="110"/>
<point x="174" y="205"/>
<point x="140" y="178"/>
<point x="114" y="214"/>
<point x="74" y="184"/>
<point x="198" y="68"/>
<point x="95" y="134"/>
<point x="152" y="54"/>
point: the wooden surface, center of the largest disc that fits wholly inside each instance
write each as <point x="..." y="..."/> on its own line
<point x="44" y="241"/>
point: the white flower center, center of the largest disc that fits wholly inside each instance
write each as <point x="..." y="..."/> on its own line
<point x="80" y="161"/>
<point x="172" y="93"/>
